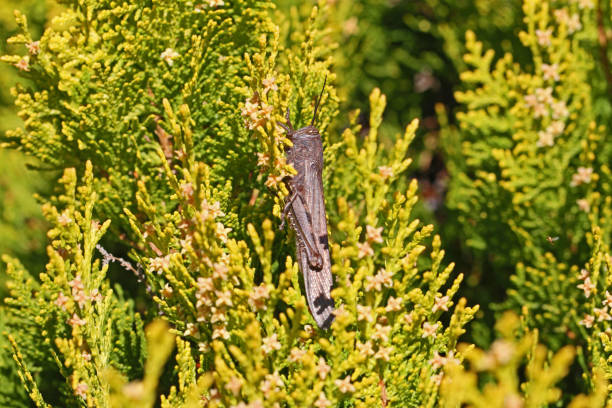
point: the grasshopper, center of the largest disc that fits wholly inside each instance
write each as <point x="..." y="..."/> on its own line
<point x="305" y="209"/>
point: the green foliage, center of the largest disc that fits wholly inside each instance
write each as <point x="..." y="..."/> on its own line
<point x="410" y="49"/>
<point x="142" y="393"/>
<point x="22" y="230"/>
<point x="68" y="325"/>
<point x="591" y="317"/>
<point x="163" y="117"/>
<point x="522" y="157"/>
<point x="240" y="302"/>
<point x="165" y="108"/>
<point x="22" y="226"/>
<point x="21" y="223"/>
<point x="530" y="176"/>
<point x="99" y="78"/>
<point x="500" y="370"/>
<point x="529" y="163"/>
<point x="37" y="12"/>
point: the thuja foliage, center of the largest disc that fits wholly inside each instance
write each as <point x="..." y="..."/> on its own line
<point x="243" y="311"/>
<point x="21" y="223"/>
<point x="22" y="229"/>
<point x="168" y="112"/>
<point x="37" y="11"/>
<point x="21" y="226"/>
<point x="410" y="49"/>
<point x="68" y="320"/>
<point x="594" y="284"/>
<point x="530" y="174"/>
<point x="516" y="372"/>
<point x="529" y="161"/>
<point x="100" y="73"/>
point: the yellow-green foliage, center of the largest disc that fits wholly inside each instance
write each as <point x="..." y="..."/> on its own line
<point x="143" y="393"/>
<point x="21" y="226"/>
<point x="410" y="49"/>
<point x="37" y="11"/>
<point x="169" y="111"/>
<point x="529" y="161"/>
<point x="240" y="304"/>
<point x="593" y="315"/>
<point x="68" y="321"/>
<point x="21" y="223"/>
<point x="515" y="372"/>
<point x="100" y="72"/>
<point x="530" y="175"/>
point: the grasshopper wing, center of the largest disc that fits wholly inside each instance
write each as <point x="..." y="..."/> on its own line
<point x="318" y="282"/>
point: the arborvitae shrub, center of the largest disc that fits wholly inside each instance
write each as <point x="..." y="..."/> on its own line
<point x="528" y="159"/>
<point x="21" y="227"/>
<point x="515" y="372"/>
<point x="164" y="115"/>
<point x="530" y="176"/>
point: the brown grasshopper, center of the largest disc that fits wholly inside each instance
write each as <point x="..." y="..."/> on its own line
<point x="306" y="210"/>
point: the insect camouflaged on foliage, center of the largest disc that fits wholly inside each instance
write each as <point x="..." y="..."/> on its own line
<point x="306" y="210"/>
<point x="227" y="289"/>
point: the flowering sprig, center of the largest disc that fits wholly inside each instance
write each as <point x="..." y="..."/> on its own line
<point x="75" y="304"/>
<point x="594" y="315"/>
<point x="528" y="161"/>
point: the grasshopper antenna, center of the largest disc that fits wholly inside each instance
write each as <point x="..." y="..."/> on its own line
<point x="318" y="102"/>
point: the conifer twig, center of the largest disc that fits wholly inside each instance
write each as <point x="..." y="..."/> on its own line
<point x="384" y="400"/>
<point x="107" y="258"/>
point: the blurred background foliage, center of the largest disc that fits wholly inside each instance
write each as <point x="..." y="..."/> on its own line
<point x="22" y="229"/>
<point x="22" y="226"/>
